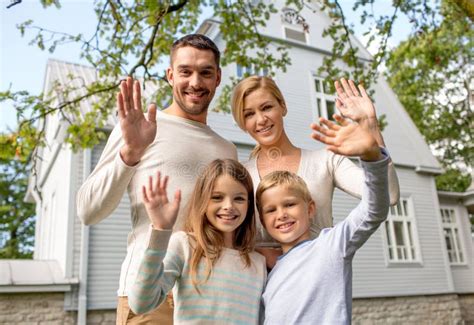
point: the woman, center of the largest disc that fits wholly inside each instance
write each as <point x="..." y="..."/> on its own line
<point x="258" y="108"/>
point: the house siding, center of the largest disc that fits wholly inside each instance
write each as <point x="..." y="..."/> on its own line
<point x="107" y="249"/>
<point x="373" y="275"/>
<point x="463" y="275"/>
<point x="52" y="223"/>
<point x="71" y="297"/>
<point x="406" y="144"/>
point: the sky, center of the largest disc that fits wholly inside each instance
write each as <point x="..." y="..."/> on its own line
<point x="22" y="67"/>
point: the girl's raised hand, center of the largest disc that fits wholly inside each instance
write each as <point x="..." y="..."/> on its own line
<point x="353" y="101"/>
<point x="161" y="212"/>
<point x="346" y="138"/>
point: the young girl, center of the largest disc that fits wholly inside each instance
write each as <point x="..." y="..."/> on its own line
<point x="215" y="273"/>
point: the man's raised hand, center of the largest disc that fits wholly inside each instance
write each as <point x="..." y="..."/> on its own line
<point x="161" y="212"/>
<point x="348" y="139"/>
<point x="138" y="132"/>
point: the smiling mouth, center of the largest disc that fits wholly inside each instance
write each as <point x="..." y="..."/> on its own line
<point x="268" y="128"/>
<point x="227" y="217"/>
<point x="195" y="94"/>
<point x="286" y="225"/>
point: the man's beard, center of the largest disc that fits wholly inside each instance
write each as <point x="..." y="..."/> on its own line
<point x="196" y="109"/>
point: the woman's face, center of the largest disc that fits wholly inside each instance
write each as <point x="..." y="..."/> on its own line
<point x="263" y="117"/>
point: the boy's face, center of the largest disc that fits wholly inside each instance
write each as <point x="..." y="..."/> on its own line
<point x="286" y="215"/>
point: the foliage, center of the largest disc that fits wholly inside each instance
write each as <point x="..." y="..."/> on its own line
<point x="134" y="38"/>
<point x="17" y="218"/>
<point x="453" y="180"/>
<point x="432" y="74"/>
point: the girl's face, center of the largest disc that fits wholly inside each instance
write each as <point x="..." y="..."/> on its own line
<point x="263" y="117"/>
<point x="227" y="207"/>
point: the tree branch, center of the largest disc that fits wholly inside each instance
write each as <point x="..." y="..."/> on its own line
<point x="67" y="103"/>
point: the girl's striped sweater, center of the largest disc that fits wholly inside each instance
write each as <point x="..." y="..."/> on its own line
<point x="231" y="294"/>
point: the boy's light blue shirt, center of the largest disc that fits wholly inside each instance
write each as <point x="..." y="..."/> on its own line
<point x="312" y="283"/>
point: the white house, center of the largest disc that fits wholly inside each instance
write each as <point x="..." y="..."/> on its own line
<point x="418" y="266"/>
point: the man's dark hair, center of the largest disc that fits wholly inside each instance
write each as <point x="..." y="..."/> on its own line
<point x="197" y="41"/>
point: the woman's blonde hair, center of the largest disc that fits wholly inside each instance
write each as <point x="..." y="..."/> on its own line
<point x="206" y="241"/>
<point x="246" y="87"/>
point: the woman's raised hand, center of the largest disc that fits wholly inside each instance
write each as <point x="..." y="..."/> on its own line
<point x="161" y="212"/>
<point x="138" y="132"/>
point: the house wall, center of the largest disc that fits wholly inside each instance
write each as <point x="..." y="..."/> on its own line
<point x="435" y="309"/>
<point x="406" y="145"/>
<point x="47" y="308"/>
<point x="52" y="222"/>
<point x="463" y="275"/>
<point x="107" y="249"/>
<point x="374" y="275"/>
<point x="316" y="20"/>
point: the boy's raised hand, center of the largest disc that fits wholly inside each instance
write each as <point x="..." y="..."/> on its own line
<point x="348" y="139"/>
<point x="138" y="132"/>
<point x="161" y="212"/>
<point x="353" y="101"/>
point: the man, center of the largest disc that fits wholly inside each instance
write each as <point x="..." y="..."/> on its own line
<point x="177" y="142"/>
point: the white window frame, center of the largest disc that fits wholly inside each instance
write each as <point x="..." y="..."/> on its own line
<point x="296" y="28"/>
<point x="446" y="213"/>
<point x="250" y="70"/>
<point x="319" y="105"/>
<point x="403" y="212"/>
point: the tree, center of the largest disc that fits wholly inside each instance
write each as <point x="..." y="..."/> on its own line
<point x="134" y="37"/>
<point x="17" y="218"/>
<point x="433" y="76"/>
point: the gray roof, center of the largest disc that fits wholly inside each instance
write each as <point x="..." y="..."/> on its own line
<point x="32" y="276"/>
<point x="60" y="71"/>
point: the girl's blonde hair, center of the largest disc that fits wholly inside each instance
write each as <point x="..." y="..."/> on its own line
<point x="246" y="87"/>
<point x="206" y="241"/>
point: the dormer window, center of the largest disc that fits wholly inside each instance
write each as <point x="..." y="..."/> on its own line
<point x="295" y="27"/>
<point x="295" y="34"/>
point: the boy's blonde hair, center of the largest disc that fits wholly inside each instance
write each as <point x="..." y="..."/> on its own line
<point x="281" y="178"/>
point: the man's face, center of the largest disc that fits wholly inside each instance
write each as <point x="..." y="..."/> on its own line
<point x="194" y="76"/>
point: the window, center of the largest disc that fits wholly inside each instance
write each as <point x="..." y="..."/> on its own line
<point x="295" y="26"/>
<point x="400" y="233"/>
<point x="250" y="71"/>
<point x="471" y="220"/>
<point x="295" y="34"/>
<point x="325" y="99"/>
<point x="451" y="236"/>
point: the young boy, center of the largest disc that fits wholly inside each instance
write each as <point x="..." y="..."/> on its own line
<point x="311" y="282"/>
